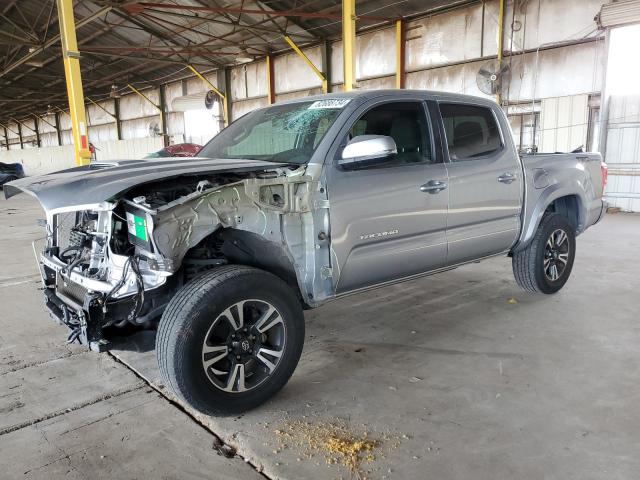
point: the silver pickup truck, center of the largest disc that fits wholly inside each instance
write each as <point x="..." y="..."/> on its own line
<point x="289" y="207"/>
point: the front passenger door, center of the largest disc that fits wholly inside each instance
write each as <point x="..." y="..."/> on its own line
<point x="388" y="221"/>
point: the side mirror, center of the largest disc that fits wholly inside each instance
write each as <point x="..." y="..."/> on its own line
<point x="367" y="149"/>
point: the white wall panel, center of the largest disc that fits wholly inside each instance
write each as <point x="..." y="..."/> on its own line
<point x="103" y="133"/>
<point x="49" y="139"/>
<point x="376" y="53"/>
<point x="243" y="107"/>
<point x="65" y="121"/>
<point x="282" y="97"/>
<point x="292" y="73"/>
<point x="37" y="161"/>
<point x="238" y="83"/>
<point x="377" y="83"/>
<point x="12" y="131"/>
<point x="175" y="123"/>
<point x="97" y="116"/>
<point x="623" y="152"/>
<point x="256" y="79"/>
<point x="543" y="22"/>
<point x="134" y="106"/>
<point x="171" y="92"/>
<point x="337" y="63"/>
<point x="457" y="79"/>
<point x="446" y="38"/>
<point x="28" y="126"/>
<point x="195" y="85"/>
<point x="128" y="149"/>
<point x="45" y="127"/>
<point x="249" y="80"/>
<point x="564" y="123"/>
<point x="559" y="72"/>
<point x="139" y="128"/>
<point x="67" y="137"/>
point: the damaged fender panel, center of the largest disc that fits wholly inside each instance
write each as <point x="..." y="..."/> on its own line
<point x="276" y="209"/>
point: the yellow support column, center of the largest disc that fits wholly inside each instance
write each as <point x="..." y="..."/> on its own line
<point x="349" y="43"/>
<point x="271" y="88"/>
<point x="71" y="59"/>
<point x="400" y="53"/>
<point x="500" y="40"/>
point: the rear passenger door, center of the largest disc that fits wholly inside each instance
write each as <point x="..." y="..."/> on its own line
<point x="388" y="220"/>
<point x="485" y="182"/>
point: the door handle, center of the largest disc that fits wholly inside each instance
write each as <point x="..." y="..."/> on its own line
<point x="433" y="186"/>
<point x="507" y="178"/>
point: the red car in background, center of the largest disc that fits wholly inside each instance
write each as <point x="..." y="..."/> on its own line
<point x="177" y="150"/>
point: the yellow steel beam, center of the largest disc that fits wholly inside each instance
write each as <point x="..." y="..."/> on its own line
<point x="500" y="40"/>
<point x="400" y="53"/>
<point x="271" y="88"/>
<point x="316" y="70"/>
<point x="349" y="43"/>
<point x="157" y="107"/>
<point x="71" y="56"/>
<point x="102" y="108"/>
<point x="223" y="97"/>
<point x="138" y="92"/>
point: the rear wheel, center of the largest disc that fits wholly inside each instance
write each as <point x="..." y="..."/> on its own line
<point x="230" y="339"/>
<point x="545" y="264"/>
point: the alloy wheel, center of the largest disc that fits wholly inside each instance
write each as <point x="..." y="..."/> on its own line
<point x="243" y="346"/>
<point x="556" y="255"/>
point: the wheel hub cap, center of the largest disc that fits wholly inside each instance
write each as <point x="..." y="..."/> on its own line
<point x="243" y="346"/>
<point x="556" y="255"/>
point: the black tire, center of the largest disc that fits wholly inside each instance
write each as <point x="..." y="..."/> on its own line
<point x="196" y="310"/>
<point x="529" y="263"/>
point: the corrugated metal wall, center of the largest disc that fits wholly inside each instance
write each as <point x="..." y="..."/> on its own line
<point x="564" y="123"/>
<point x="623" y="152"/>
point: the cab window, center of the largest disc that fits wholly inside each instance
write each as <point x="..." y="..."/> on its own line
<point x="471" y="131"/>
<point x="406" y="123"/>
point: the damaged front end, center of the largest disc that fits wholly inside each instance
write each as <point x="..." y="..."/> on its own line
<point x="119" y="262"/>
<point x="92" y="280"/>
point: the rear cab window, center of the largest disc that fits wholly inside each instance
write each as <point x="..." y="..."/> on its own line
<point x="472" y="131"/>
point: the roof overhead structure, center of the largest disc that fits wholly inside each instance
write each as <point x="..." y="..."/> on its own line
<point x="148" y="43"/>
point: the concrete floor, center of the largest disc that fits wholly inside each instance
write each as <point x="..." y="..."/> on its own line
<point x="460" y="375"/>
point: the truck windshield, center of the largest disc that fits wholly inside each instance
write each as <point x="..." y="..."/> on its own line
<point x="282" y="133"/>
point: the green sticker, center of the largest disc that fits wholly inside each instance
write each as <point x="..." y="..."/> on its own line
<point x="140" y="227"/>
<point x="137" y="226"/>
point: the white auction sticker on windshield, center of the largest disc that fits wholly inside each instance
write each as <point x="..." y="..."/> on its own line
<point x="329" y="103"/>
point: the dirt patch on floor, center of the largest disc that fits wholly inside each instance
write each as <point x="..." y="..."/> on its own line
<point x="355" y="451"/>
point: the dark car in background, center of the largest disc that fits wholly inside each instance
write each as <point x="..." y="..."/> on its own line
<point x="177" y="150"/>
<point x="10" y="172"/>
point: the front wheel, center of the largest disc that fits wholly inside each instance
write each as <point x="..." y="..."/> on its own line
<point x="230" y="339"/>
<point x="545" y="264"/>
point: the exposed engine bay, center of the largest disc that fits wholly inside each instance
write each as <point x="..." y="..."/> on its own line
<point x="119" y="263"/>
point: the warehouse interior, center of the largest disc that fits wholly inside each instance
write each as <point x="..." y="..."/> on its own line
<point x="459" y="375"/>
<point x="563" y="62"/>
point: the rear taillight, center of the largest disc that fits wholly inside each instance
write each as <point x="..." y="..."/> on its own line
<point x="604" y="170"/>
